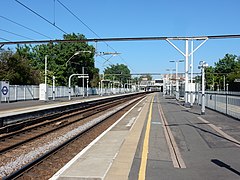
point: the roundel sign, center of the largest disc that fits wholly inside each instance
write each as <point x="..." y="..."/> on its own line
<point x="4" y="89"/>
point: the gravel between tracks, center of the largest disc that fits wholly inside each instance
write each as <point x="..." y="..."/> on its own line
<point x="17" y="158"/>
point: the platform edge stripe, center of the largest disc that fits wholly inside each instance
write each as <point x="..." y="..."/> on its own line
<point x="123" y="142"/>
<point x="58" y="173"/>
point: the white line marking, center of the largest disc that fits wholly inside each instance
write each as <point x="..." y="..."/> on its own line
<point x="156" y="123"/>
<point x="175" y="154"/>
<point x="139" y="109"/>
<point x="131" y="121"/>
<point x="64" y="168"/>
<point x="236" y="142"/>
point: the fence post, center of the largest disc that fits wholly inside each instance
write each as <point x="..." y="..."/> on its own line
<point x="24" y="93"/>
<point x="226" y="104"/>
<point x="215" y="102"/>
<point x="32" y="92"/>
<point x="15" y="88"/>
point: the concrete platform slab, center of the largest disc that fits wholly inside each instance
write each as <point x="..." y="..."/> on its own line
<point x="98" y="159"/>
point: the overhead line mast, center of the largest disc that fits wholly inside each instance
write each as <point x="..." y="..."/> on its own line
<point x="186" y="54"/>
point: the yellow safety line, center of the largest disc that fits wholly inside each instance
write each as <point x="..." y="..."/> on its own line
<point x="142" y="171"/>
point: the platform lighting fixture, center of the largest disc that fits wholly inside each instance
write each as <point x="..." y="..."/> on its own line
<point x="171" y="70"/>
<point x="203" y="65"/>
<point x="77" y="53"/>
<point x="107" y="53"/>
<point x="45" y="77"/>
<point x="69" y="82"/>
<point x="177" y="80"/>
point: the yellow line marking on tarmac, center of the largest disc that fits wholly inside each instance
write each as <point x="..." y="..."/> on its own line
<point x="230" y="138"/>
<point x="172" y="145"/>
<point x="142" y="171"/>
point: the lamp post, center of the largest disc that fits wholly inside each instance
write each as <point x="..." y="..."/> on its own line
<point x="75" y="54"/>
<point x="177" y="82"/>
<point x="83" y="82"/>
<point x="202" y="66"/>
<point x="112" y="85"/>
<point x="46" y="95"/>
<point x="53" y="88"/>
<point x="170" y="70"/>
<point x="69" y="82"/>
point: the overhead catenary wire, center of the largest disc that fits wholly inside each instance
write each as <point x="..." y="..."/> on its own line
<point x="25" y="37"/>
<point x="90" y="29"/>
<point x="5" y="39"/>
<point x="41" y="16"/>
<point x="24" y="26"/>
<point x="78" y="18"/>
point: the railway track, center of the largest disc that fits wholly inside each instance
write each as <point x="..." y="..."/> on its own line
<point x="12" y="140"/>
<point x="83" y="117"/>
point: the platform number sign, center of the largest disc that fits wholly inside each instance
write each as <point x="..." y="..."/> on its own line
<point x="4" y="88"/>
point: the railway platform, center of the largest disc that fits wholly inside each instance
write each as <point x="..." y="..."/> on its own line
<point x="160" y="139"/>
<point x="7" y="109"/>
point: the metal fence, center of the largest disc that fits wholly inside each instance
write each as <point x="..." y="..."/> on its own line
<point x="31" y="92"/>
<point x="222" y="101"/>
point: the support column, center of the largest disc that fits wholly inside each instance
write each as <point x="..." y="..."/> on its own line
<point x="203" y="91"/>
<point x="186" y="73"/>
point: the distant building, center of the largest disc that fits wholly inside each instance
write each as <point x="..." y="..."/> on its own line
<point x="153" y="85"/>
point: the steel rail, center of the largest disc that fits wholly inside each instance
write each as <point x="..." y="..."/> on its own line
<point x="84" y="114"/>
<point x="41" y="158"/>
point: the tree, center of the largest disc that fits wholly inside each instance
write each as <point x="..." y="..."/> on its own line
<point x="226" y="64"/>
<point x="146" y="76"/>
<point x="17" y="69"/>
<point x="118" y="72"/>
<point x="227" y="68"/>
<point x="57" y="56"/>
<point x="210" y="78"/>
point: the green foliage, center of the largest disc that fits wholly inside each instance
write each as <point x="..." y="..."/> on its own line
<point x="227" y="68"/>
<point x="147" y="76"/>
<point x="16" y="69"/>
<point x="57" y="55"/>
<point x="118" y="72"/>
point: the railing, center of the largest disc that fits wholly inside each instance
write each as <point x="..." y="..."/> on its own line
<point x="222" y="101"/>
<point x="31" y="92"/>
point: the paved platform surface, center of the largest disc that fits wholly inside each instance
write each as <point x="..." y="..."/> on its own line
<point x="20" y="107"/>
<point x="4" y="106"/>
<point x="137" y="146"/>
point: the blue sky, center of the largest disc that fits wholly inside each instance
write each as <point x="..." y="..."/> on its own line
<point x="133" y="18"/>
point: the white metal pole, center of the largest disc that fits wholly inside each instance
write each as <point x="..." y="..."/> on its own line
<point x="192" y="61"/>
<point x="101" y="87"/>
<point x="177" y="86"/>
<point x="170" y="82"/>
<point x="203" y="91"/>
<point x="191" y="96"/>
<point x="69" y="88"/>
<point x="186" y="72"/>
<point x="224" y="83"/>
<point x="53" y="88"/>
<point x="87" y="87"/>
<point x="83" y="81"/>
<point x="46" y="96"/>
